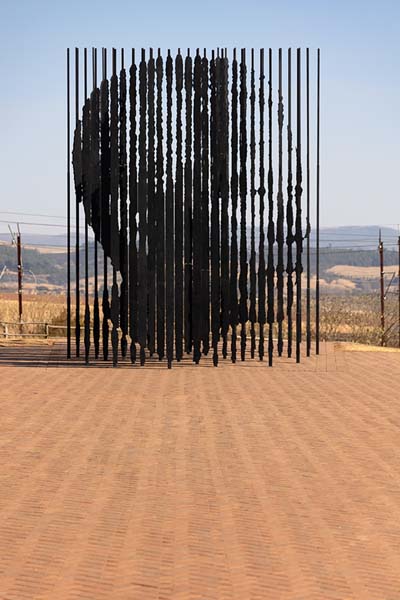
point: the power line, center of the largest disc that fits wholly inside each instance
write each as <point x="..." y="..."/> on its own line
<point x="23" y="214"/>
<point x="40" y="224"/>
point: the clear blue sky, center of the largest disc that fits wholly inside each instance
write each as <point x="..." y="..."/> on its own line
<point x="360" y="45"/>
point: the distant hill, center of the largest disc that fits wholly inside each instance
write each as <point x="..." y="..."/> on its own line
<point x="335" y="237"/>
<point x="340" y="246"/>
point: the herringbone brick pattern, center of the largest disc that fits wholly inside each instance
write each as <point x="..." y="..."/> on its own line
<point x="241" y="482"/>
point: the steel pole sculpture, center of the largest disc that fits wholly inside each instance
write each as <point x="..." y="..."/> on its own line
<point x="87" y="191"/>
<point x="261" y="191"/>
<point x="243" y="310"/>
<point x="151" y="191"/>
<point x="179" y="219"/>
<point x="78" y="200"/>
<point x="68" y="206"/>
<point x="188" y="233"/>
<point x="181" y="278"/>
<point x="280" y="216"/>
<point x="169" y="221"/>
<point x="308" y="229"/>
<point x="205" y="233"/>
<point x="289" y="213"/>
<point x="97" y="202"/>
<point x="253" y="280"/>
<point x="105" y="198"/>
<point x="233" y="315"/>
<point x="298" y="226"/>
<point x="317" y="299"/>
<point x="271" y="231"/>
<point x="224" y="194"/>
<point x="123" y="207"/>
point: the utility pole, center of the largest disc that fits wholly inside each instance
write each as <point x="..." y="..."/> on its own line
<point x="19" y="258"/>
<point x="382" y="274"/>
<point x="16" y="240"/>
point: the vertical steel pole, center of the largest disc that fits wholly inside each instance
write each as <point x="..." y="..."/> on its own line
<point x="77" y="294"/>
<point x="105" y="199"/>
<point x="160" y="199"/>
<point x="123" y="204"/>
<point x="114" y="180"/>
<point x="196" y="298"/>
<point x="280" y="215"/>
<point x="299" y="235"/>
<point x="142" y="209"/>
<point x="133" y="210"/>
<point x="96" y="315"/>
<point x="234" y="199"/>
<point x="308" y="297"/>
<point x="243" y="309"/>
<point x="252" y="308"/>
<point x="317" y="224"/>
<point x="188" y="236"/>
<point x="289" y="213"/>
<point x="204" y="220"/>
<point x="179" y="219"/>
<point x="271" y="228"/>
<point x="261" y="251"/>
<point x="224" y="213"/>
<point x="151" y="193"/>
<point x="169" y="219"/>
<point x="90" y="191"/>
<point x="68" y="208"/>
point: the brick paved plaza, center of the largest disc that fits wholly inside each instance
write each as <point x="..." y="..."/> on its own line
<point x="241" y="482"/>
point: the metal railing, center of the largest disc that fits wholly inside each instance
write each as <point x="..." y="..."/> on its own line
<point x="13" y="329"/>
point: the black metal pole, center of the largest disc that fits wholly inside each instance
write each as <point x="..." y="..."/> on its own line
<point x="243" y="197"/>
<point x="188" y="236"/>
<point x="160" y="215"/>
<point x="169" y="220"/>
<point x="151" y="191"/>
<point x="77" y="294"/>
<point x="299" y="235"/>
<point x="253" y="280"/>
<point x="215" y="77"/>
<point x="96" y="312"/>
<point x="234" y="199"/>
<point x="123" y="203"/>
<point x="133" y="267"/>
<point x="114" y="187"/>
<point x="261" y="191"/>
<point x="308" y="232"/>
<point x="196" y="298"/>
<point x="224" y="184"/>
<point x="105" y="199"/>
<point x="280" y="217"/>
<point x="289" y="213"/>
<point x="68" y="207"/>
<point x="89" y="192"/>
<point x="204" y="244"/>
<point x="271" y="231"/>
<point x="317" y="297"/>
<point x="142" y="209"/>
<point x="179" y="221"/>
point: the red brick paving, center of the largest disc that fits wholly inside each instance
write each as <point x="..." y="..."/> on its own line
<point x="239" y="482"/>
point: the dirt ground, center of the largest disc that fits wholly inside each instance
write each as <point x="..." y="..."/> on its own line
<point x="241" y="482"/>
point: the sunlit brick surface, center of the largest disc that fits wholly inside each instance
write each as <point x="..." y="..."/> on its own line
<point x="199" y="483"/>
